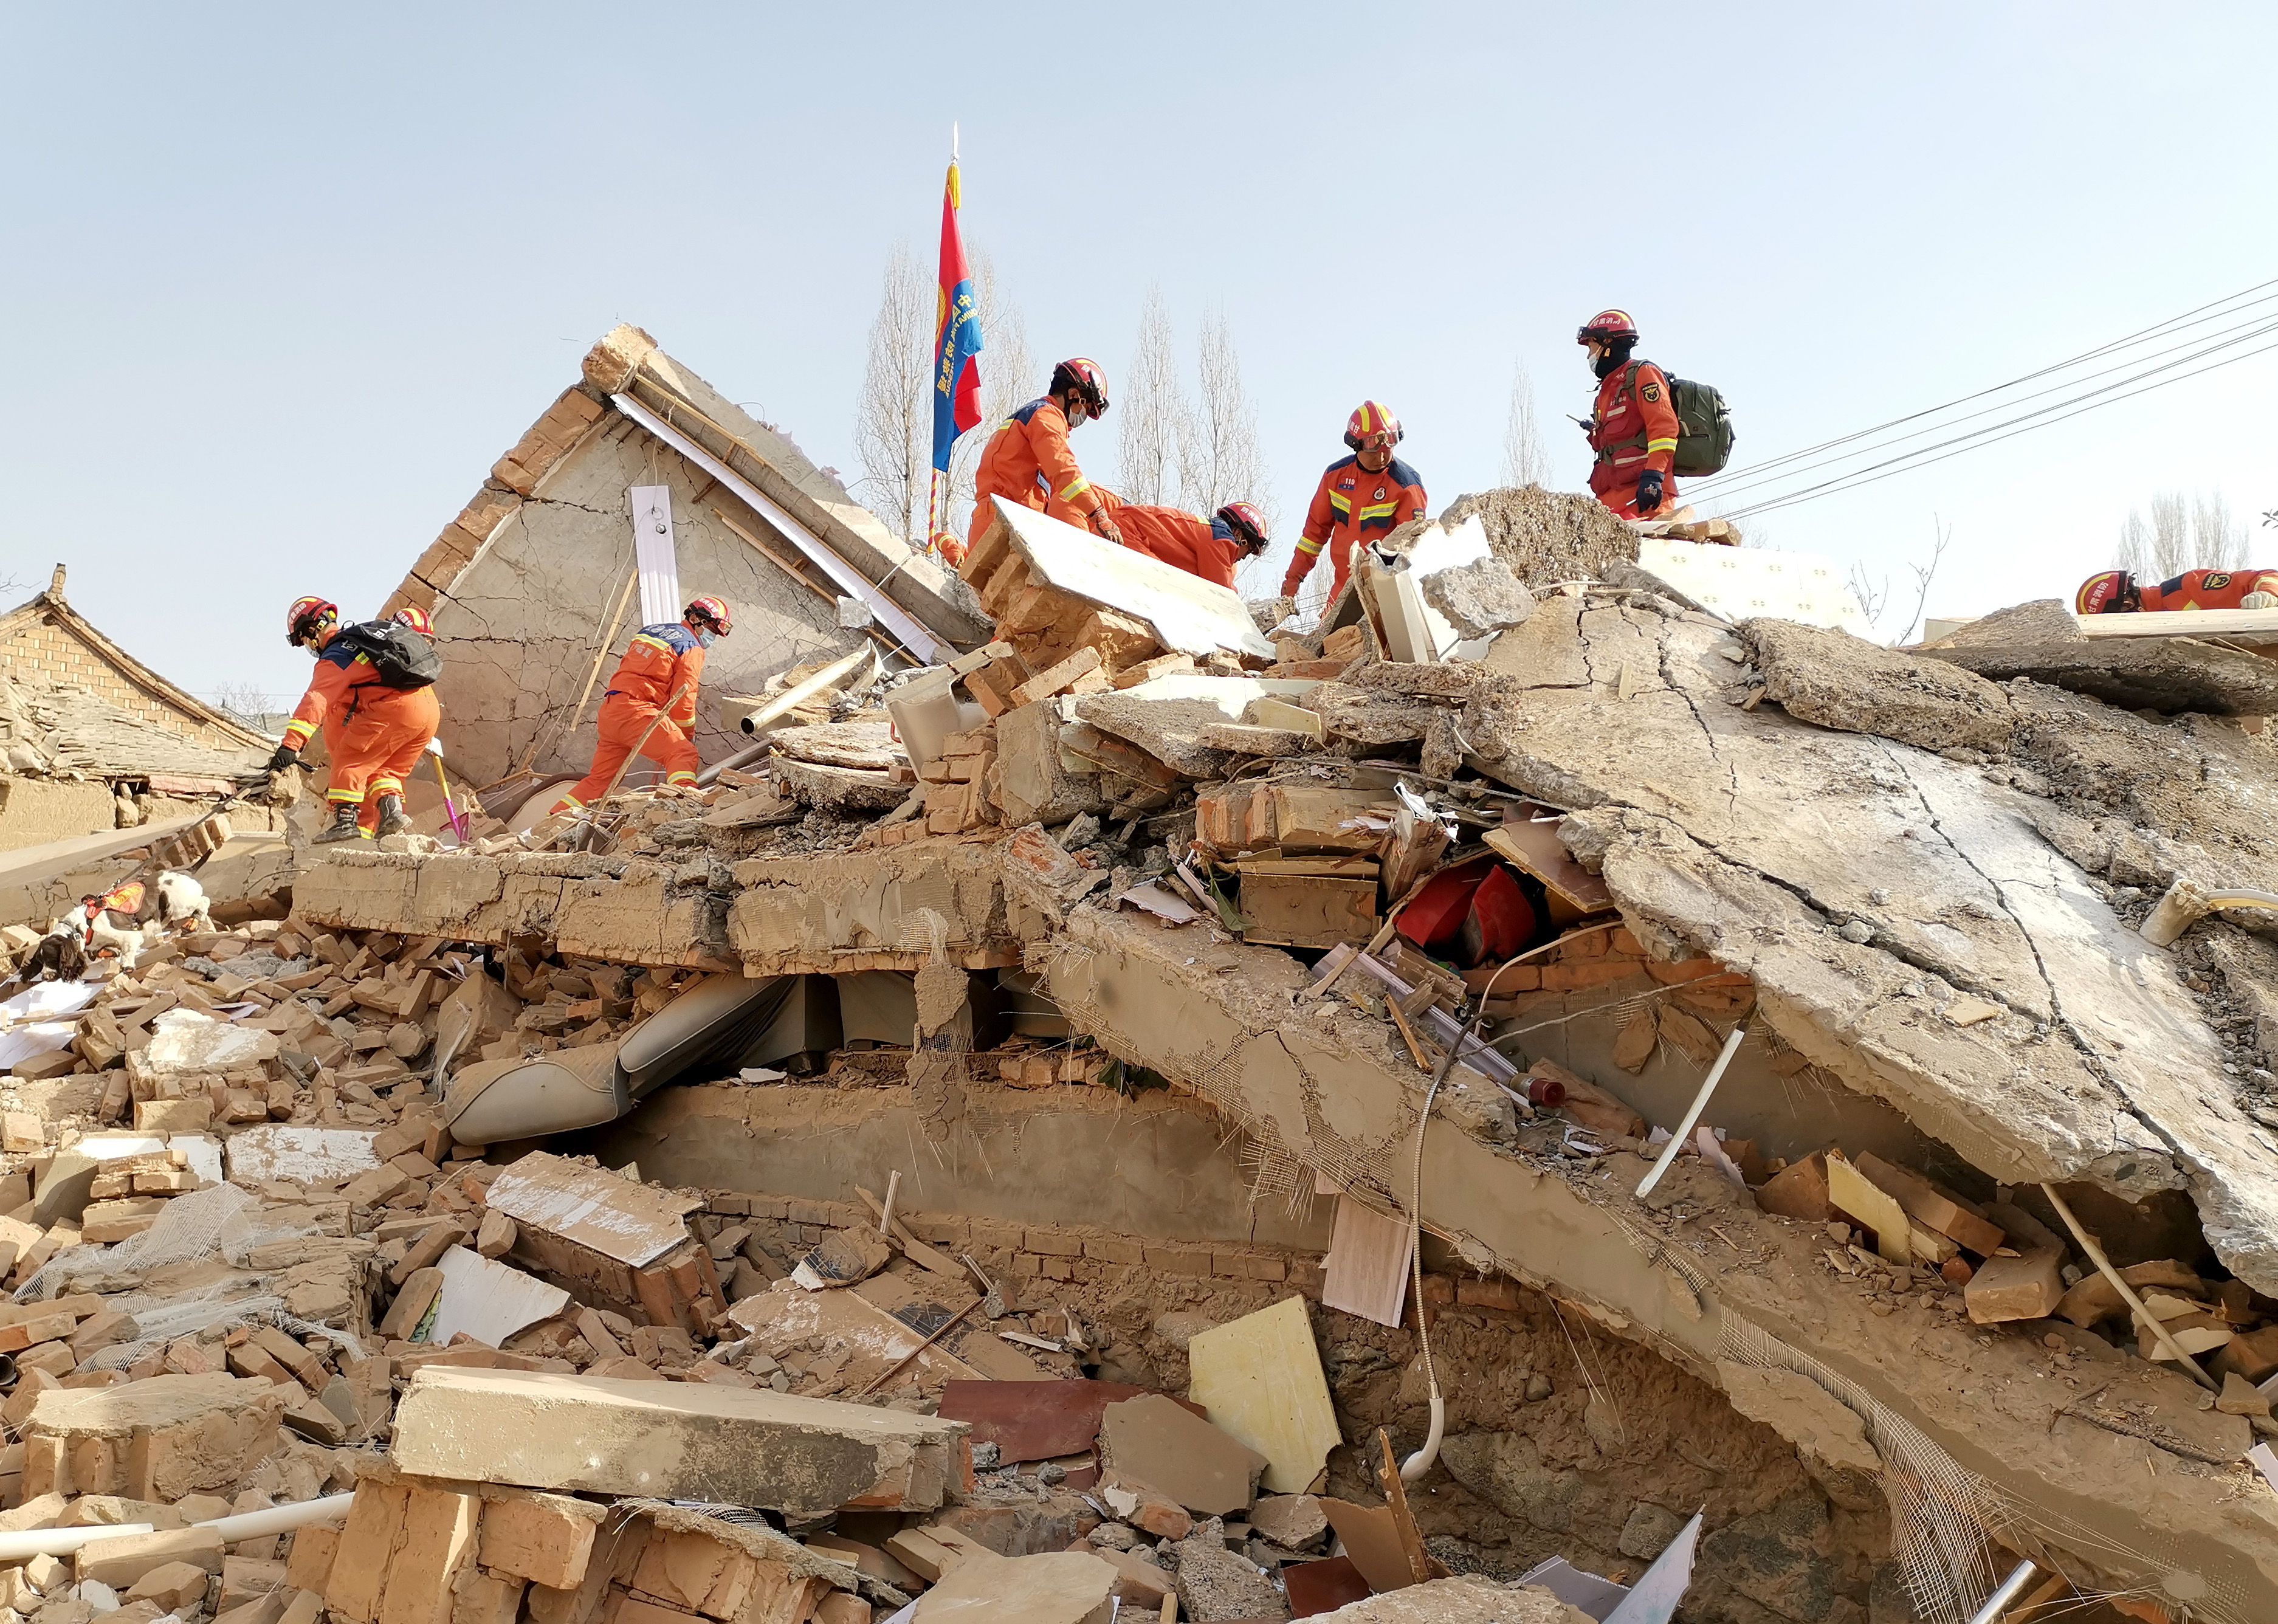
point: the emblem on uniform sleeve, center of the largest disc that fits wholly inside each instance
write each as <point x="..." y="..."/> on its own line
<point x="2216" y="583"/>
<point x="1651" y="392"/>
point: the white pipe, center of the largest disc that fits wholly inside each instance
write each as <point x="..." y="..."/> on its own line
<point x="1692" y="1116"/>
<point x="1421" y="1461"/>
<point x="23" y="1546"/>
<point x="2013" y="1586"/>
<point x="2184" y="905"/>
<point x="280" y="1519"/>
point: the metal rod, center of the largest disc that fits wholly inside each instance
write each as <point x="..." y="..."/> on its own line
<point x="1693" y="1116"/>
<point x="2013" y="1586"/>
<point x="2160" y="1332"/>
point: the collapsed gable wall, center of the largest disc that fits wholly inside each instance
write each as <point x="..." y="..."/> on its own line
<point x="519" y="625"/>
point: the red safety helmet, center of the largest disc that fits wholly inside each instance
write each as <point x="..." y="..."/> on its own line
<point x="712" y="613"/>
<point x="411" y="614"/>
<point x="1607" y="327"/>
<point x="1086" y="380"/>
<point x="2110" y="592"/>
<point x="1247" y="523"/>
<point x="1371" y="422"/>
<point x="300" y="619"/>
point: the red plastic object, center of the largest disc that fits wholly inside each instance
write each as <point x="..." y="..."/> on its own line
<point x="1438" y="913"/>
<point x="1504" y="917"/>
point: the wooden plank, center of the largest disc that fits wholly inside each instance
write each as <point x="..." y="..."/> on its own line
<point x="1931" y="1207"/>
<point x="1420" y="1564"/>
<point x="1534" y="848"/>
<point x="1851" y="1193"/>
<point x="631" y="1222"/>
<point x="1366" y="1271"/>
<point x="1303" y="911"/>
<point x="2245" y="625"/>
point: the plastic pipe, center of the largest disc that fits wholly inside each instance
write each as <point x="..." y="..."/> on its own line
<point x="22" y="1547"/>
<point x="2013" y="1586"/>
<point x="280" y="1519"/>
<point x="1692" y="1116"/>
<point x="2184" y="905"/>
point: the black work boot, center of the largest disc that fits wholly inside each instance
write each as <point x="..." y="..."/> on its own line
<point x="343" y="826"/>
<point x="392" y="820"/>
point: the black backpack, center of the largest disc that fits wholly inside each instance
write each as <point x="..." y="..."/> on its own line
<point x="403" y="658"/>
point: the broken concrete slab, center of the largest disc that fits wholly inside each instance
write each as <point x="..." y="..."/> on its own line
<point x="2162" y="674"/>
<point x="1841" y="681"/>
<point x="1478" y="598"/>
<point x="1469" y="1599"/>
<point x="1170" y="730"/>
<point x="1215" y="1583"/>
<point x="674" y="1441"/>
<point x="1260" y="1379"/>
<point x="186" y="1432"/>
<point x="1061" y="1587"/>
<point x="1153" y="1440"/>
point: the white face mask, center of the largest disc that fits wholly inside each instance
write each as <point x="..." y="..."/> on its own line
<point x="703" y="638"/>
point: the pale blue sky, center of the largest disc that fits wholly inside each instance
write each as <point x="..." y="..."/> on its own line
<point x="283" y="280"/>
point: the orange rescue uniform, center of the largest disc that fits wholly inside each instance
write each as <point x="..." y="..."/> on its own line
<point x="1027" y="461"/>
<point x="1171" y="535"/>
<point x="1633" y="427"/>
<point x="376" y="733"/>
<point x="1352" y="505"/>
<point x="663" y="661"/>
<point x="2208" y="589"/>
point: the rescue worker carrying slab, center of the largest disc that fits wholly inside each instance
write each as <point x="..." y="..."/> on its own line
<point x="1633" y="426"/>
<point x="1028" y="460"/>
<point x="660" y="670"/>
<point x="374" y="698"/>
<point x="1362" y="498"/>
<point x="2114" y="592"/>
<point x="1208" y="548"/>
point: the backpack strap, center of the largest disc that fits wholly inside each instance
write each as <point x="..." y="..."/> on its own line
<point x="1635" y="442"/>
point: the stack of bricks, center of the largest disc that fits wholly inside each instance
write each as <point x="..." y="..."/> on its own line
<point x="1590" y="958"/>
<point x="423" y="1550"/>
<point x="956" y="783"/>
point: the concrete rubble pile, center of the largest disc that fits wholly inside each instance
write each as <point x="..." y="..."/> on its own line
<point x="1008" y="1139"/>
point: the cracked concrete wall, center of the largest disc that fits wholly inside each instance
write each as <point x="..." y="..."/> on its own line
<point x="519" y="626"/>
<point x="1868" y="887"/>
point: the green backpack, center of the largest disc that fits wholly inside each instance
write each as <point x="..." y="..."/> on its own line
<point x="1704" y="427"/>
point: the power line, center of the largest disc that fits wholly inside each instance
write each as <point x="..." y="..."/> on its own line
<point x="2190" y="317"/>
<point x="1853" y="481"/>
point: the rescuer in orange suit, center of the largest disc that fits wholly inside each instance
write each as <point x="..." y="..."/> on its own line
<point x="664" y="660"/>
<point x="2114" y="592"/>
<point x="1207" y="547"/>
<point x="375" y="731"/>
<point x="1364" y="497"/>
<point x="1028" y="460"/>
<point x="1633" y="426"/>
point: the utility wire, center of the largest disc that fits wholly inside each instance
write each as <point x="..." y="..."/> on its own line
<point x="1867" y="476"/>
<point x="2245" y="333"/>
<point x="2190" y="318"/>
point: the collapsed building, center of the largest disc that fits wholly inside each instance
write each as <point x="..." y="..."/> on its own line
<point x="1578" y="1019"/>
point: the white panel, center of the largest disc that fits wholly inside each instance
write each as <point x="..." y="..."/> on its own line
<point x="653" y="555"/>
<point x="1741" y="583"/>
<point x="1188" y="613"/>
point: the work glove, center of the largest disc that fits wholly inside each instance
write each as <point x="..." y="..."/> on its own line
<point x="2258" y="599"/>
<point x="285" y="757"/>
<point x="1649" y="496"/>
<point x="1105" y="527"/>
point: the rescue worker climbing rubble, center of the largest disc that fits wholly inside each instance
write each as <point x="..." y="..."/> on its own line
<point x="373" y="696"/>
<point x="1208" y="548"/>
<point x="1633" y="425"/>
<point x="655" y="683"/>
<point x="1362" y="498"/>
<point x="2114" y="592"/>
<point x="1028" y="460"/>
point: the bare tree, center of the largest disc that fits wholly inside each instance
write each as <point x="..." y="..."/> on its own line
<point x="1152" y="408"/>
<point x="893" y="423"/>
<point x="1876" y="597"/>
<point x="244" y="701"/>
<point x="1009" y="380"/>
<point x="1219" y="459"/>
<point x="2171" y="534"/>
<point x="1523" y="460"/>
<point x="2135" y="546"/>
<point x="2217" y="540"/>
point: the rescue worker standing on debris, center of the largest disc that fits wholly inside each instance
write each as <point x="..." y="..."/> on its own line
<point x="1633" y="426"/>
<point x="2114" y="592"/>
<point x="375" y="728"/>
<point x="1028" y="460"/>
<point x="655" y="683"/>
<point x="1364" y="497"/>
